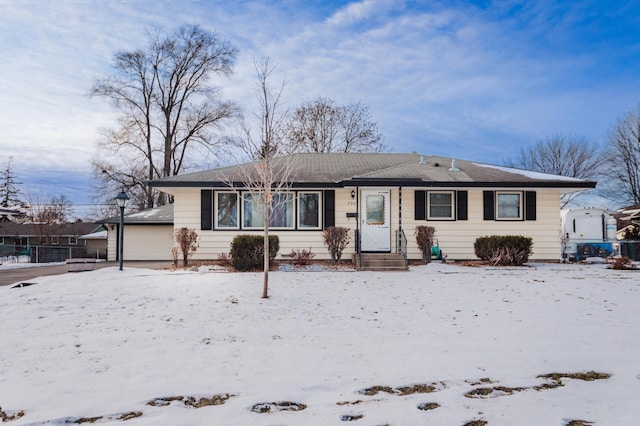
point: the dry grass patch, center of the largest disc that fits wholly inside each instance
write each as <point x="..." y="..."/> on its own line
<point x="426" y="406"/>
<point x="206" y="402"/>
<point x="272" y="407"/>
<point x="555" y="382"/>
<point x="8" y="417"/>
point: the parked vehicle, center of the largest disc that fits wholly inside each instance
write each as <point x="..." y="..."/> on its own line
<point x="588" y="232"/>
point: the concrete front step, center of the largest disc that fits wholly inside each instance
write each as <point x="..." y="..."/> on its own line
<point x="382" y="262"/>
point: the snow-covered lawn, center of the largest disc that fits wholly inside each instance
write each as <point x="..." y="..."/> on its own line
<point x="440" y="345"/>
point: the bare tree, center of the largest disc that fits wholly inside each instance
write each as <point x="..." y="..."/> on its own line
<point x="267" y="180"/>
<point x="623" y="158"/>
<point x="46" y="214"/>
<point x="319" y="125"/>
<point x="167" y="105"/>
<point x="569" y="156"/>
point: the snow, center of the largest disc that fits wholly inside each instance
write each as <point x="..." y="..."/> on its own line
<point x="529" y="173"/>
<point x="13" y="262"/>
<point x="107" y="342"/>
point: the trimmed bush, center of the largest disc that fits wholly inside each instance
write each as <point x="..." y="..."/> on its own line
<point x="504" y="249"/>
<point x="302" y="257"/>
<point x="424" y="239"/>
<point x="336" y="239"/>
<point x="247" y="251"/>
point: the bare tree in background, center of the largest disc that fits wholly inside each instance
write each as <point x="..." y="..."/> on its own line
<point x="623" y="158"/>
<point x="168" y="106"/>
<point x="569" y="156"/>
<point x="267" y="180"/>
<point x="46" y="213"/>
<point x="319" y="125"/>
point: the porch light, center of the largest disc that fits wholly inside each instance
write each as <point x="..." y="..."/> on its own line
<point x="121" y="200"/>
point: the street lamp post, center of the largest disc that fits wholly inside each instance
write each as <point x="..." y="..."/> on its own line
<point x="121" y="201"/>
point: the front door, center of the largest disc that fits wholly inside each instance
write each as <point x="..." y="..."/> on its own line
<point x="375" y="217"/>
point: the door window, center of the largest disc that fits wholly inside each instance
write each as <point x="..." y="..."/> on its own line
<point x="375" y="210"/>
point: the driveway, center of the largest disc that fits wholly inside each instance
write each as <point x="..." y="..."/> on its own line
<point x="13" y="276"/>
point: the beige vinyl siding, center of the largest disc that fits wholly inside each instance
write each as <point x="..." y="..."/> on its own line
<point x="112" y="243"/>
<point x="216" y="242"/>
<point x="456" y="237"/>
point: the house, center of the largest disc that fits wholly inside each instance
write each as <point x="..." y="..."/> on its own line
<point x="148" y="234"/>
<point x="45" y="242"/>
<point x="381" y="198"/>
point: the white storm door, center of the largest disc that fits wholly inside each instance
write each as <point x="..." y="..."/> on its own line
<point x="375" y="226"/>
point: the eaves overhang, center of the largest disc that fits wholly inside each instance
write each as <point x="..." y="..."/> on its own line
<point x="363" y="182"/>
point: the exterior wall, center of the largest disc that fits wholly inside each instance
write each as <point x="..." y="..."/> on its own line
<point x="216" y="242"/>
<point x="456" y="237"/>
<point x="141" y="242"/>
<point x="96" y="248"/>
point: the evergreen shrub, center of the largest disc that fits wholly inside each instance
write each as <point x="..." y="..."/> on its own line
<point x="247" y="251"/>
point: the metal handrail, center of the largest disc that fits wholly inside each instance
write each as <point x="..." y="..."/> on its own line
<point x="358" y="250"/>
<point x="401" y="244"/>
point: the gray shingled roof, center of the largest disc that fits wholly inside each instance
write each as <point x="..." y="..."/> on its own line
<point x="363" y="169"/>
<point x="162" y="215"/>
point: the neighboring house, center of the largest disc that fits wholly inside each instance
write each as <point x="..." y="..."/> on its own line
<point x="381" y="198"/>
<point x="45" y="243"/>
<point x="148" y="234"/>
<point x="29" y="234"/>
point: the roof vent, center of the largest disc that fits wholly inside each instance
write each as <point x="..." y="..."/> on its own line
<point x="422" y="160"/>
<point x="453" y="166"/>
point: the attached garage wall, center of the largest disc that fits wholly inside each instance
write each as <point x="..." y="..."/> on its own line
<point x="141" y="242"/>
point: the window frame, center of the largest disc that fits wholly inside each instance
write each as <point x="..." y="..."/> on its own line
<point x="216" y="224"/>
<point x="299" y="224"/>
<point x="73" y="241"/>
<point x="292" y="195"/>
<point x="520" y="195"/>
<point x="452" y="195"/>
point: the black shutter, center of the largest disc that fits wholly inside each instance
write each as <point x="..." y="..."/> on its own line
<point x="206" y="209"/>
<point x="530" y="205"/>
<point x="420" y="205"/>
<point x="329" y="208"/>
<point x="488" y="198"/>
<point x="461" y="205"/>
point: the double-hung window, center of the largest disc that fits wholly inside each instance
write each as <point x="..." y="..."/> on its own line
<point x="509" y="205"/>
<point x="440" y="205"/>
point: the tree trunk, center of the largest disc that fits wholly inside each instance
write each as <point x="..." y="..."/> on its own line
<point x="265" y="288"/>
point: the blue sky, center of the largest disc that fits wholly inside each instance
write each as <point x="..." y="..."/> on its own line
<point x="474" y="80"/>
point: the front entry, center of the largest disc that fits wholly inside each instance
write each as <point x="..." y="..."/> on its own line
<point x="375" y="217"/>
